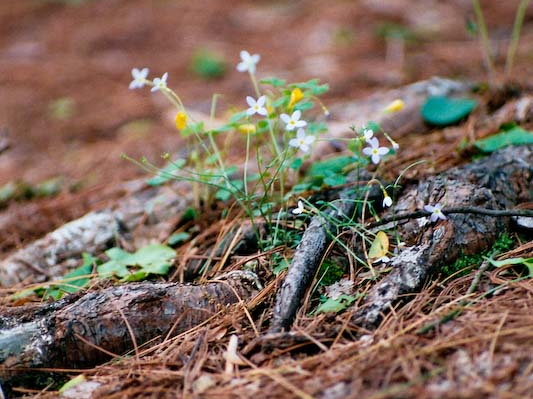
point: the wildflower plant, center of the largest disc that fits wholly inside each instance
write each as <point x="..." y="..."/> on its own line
<point x="278" y="131"/>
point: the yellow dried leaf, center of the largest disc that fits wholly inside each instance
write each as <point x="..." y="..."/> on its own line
<point x="380" y="246"/>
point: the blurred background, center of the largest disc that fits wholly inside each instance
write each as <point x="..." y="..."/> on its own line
<point x="67" y="114"/>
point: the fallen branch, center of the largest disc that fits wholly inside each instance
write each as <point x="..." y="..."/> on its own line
<point x="83" y="331"/>
<point x="309" y="254"/>
<point x="449" y="211"/>
<point x="149" y="208"/>
<point x="499" y="181"/>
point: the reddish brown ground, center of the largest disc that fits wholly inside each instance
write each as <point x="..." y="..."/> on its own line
<point x="53" y="50"/>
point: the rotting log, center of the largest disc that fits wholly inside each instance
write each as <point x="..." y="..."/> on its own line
<point x="497" y="182"/>
<point x="149" y="208"/>
<point x="308" y="256"/>
<point x="81" y="331"/>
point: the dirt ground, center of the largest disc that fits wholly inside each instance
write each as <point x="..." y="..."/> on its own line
<point x="67" y="113"/>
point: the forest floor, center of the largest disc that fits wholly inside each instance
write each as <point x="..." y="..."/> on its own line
<point x="66" y="116"/>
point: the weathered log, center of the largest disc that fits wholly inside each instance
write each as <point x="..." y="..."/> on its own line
<point x="309" y="253"/>
<point x="155" y="207"/>
<point x="69" y="333"/>
<point x="496" y="182"/>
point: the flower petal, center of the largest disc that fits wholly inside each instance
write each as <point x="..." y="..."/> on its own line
<point x="250" y="101"/>
<point x="261" y="101"/>
<point x="296" y="115"/>
<point x="285" y="118"/>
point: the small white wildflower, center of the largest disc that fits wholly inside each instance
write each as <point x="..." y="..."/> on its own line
<point x="299" y="210"/>
<point x="368" y="133"/>
<point x="436" y="212"/>
<point x="387" y="201"/>
<point x="293" y="121"/>
<point x="375" y="151"/>
<point x="383" y="259"/>
<point x="302" y="141"/>
<point x="256" y="107"/>
<point x="248" y="62"/>
<point x="160" y="83"/>
<point x="395" y="146"/>
<point x="139" y="78"/>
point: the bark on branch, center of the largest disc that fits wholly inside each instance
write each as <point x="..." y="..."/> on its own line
<point x="68" y="333"/>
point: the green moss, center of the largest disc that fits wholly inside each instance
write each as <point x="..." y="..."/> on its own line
<point x="464" y="263"/>
<point x="330" y="272"/>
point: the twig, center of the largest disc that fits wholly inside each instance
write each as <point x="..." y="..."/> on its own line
<point x="448" y="211"/>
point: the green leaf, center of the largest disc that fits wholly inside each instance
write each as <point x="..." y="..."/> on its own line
<point x="304" y="106"/>
<point x="335" y="305"/>
<point x="330" y="166"/>
<point x="72" y="383"/>
<point x="335" y="180"/>
<point x="166" y="174"/>
<point x="151" y="259"/>
<point x="208" y="65"/>
<point x="112" y="268"/>
<point x="514" y="136"/>
<point x="237" y="116"/>
<point x="445" y="111"/>
<point x="274" y="82"/>
<point x="313" y="86"/>
<point x="528" y="262"/>
<point x="280" y="267"/>
<point x="223" y="195"/>
<point x="178" y="238"/>
<point x="296" y="164"/>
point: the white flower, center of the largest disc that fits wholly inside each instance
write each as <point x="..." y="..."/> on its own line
<point x="375" y="151"/>
<point x="139" y="78"/>
<point x="383" y="259"/>
<point x="395" y="146"/>
<point x="160" y="83"/>
<point x="299" y="210"/>
<point x="368" y="133"/>
<point x="387" y="201"/>
<point x="256" y="107"/>
<point x="302" y="141"/>
<point x="293" y="121"/>
<point x="248" y="62"/>
<point x="436" y="212"/>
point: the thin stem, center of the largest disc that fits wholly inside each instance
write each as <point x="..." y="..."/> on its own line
<point x="515" y="36"/>
<point x="246" y="164"/>
<point x="256" y="86"/>
<point x="273" y="138"/>
<point x="484" y="37"/>
<point x="448" y="211"/>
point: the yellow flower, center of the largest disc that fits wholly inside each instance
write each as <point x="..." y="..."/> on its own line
<point x="247" y="128"/>
<point x="296" y="95"/>
<point x="395" y="106"/>
<point x="181" y="120"/>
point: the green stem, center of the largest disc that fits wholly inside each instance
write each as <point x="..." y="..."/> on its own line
<point x="484" y="37"/>
<point x="515" y="36"/>
<point x="277" y="151"/>
<point x="256" y="86"/>
<point x="246" y="164"/>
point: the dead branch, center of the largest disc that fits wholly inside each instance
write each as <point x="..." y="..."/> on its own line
<point x="82" y="331"/>
<point x="308" y="256"/>
<point x="499" y="181"/>
<point x="149" y="208"/>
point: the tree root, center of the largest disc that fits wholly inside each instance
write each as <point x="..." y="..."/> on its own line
<point x="149" y="208"/>
<point x="496" y="182"/>
<point x="85" y="330"/>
